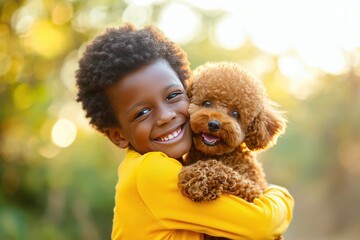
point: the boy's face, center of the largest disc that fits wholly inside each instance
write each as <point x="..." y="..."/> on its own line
<point x="151" y="106"/>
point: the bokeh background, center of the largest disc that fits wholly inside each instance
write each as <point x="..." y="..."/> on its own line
<point x="57" y="175"/>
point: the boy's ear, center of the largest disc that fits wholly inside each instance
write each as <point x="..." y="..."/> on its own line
<point x="115" y="136"/>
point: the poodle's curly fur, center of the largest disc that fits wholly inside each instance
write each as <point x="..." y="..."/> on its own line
<point x="231" y="117"/>
<point x="113" y="55"/>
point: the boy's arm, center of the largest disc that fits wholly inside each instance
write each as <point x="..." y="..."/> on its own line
<point x="229" y="216"/>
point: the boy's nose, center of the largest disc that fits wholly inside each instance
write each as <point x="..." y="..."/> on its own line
<point x="165" y="116"/>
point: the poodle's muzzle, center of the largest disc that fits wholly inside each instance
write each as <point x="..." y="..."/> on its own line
<point x="215" y="132"/>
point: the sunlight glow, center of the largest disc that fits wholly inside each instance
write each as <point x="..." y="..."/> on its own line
<point x="260" y="65"/>
<point x="301" y="77"/>
<point x="269" y="26"/>
<point x="213" y="5"/>
<point x="228" y="33"/>
<point x="325" y="56"/>
<point x="46" y="40"/>
<point x="98" y="15"/>
<point x="143" y="2"/>
<point x="24" y="17"/>
<point x="322" y="33"/>
<point x="49" y="151"/>
<point x="138" y="15"/>
<point x="73" y="111"/>
<point x="61" y="13"/>
<point x="63" y="133"/>
<point x="68" y="69"/>
<point x="292" y="67"/>
<point x="23" y="24"/>
<point x="179" y="22"/>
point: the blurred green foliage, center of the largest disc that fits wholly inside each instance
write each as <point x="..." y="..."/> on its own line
<point x="53" y="192"/>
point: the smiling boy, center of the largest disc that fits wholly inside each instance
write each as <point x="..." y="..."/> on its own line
<point x="151" y="116"/>
<point x="132" y="87"/>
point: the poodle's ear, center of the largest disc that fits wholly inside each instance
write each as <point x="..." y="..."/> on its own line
<point x="264" y="130"/>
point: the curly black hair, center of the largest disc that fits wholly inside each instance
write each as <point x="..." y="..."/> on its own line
<point x="114" y="54"/>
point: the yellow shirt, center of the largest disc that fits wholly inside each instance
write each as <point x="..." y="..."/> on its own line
<point x="149" y="206"/>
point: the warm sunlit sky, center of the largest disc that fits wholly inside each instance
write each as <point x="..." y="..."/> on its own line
<point x="308" y="36"/>
<point x="323" y="33"/>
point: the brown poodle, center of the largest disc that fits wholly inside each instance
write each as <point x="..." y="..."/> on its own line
<point x="230" y="116"/>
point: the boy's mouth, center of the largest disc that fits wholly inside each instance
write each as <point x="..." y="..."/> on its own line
<point x="170" y="136"/>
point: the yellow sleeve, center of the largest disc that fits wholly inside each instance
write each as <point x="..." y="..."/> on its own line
<point x="229" y="216"/>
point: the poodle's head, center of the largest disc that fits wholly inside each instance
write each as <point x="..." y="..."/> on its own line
<point x="229" y="108"/>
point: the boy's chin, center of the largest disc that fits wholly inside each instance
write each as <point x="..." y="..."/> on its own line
<point x="179" y="151"/>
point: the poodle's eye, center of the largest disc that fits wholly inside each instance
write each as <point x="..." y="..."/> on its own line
<point x="235" y="114"/>
<point x="207" y="104"/>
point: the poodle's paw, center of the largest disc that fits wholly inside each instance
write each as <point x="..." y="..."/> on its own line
<point x="207" y="180"/>
<point x="246" y="189"/>
<point x="203" y="180"/>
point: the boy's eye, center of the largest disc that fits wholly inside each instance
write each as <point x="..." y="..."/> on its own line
<point x="207" y="104"/>
<point x="141" y="113"/>
<point x="173" y="95"/>
<point x="235" y="114"/>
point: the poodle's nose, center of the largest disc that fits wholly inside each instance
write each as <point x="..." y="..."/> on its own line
<point x="214" y="125"/>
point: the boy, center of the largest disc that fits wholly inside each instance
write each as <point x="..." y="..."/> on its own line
<point x="132" y="87"/>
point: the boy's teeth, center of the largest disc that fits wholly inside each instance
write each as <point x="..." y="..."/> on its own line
<point x="171" y="135"/>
